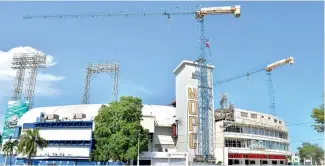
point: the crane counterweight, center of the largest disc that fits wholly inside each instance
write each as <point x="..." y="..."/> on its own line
<point x="218" y="10"/>
<point x="279" y="63"/>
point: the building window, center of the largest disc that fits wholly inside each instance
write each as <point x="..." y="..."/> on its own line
<point x="275" y="120"/>
<point x="280" y="122"/>
<point x="262" y="116"/>
<point x="234" y="129"/>
<point x="244" y="114"/>
<point x="269" y="118"/>
<point x="253" y="116"/>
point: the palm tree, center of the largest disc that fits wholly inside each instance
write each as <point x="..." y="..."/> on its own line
<point x="30" y="142"/>
<point x="9" y="148"/>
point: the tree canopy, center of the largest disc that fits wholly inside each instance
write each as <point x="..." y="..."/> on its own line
<point x="117" y="129"/>
<point x="318" y="116"/>
<point x="314" y="151"/>
<point x="29" y="142"/>
<point x="9" y="148"/>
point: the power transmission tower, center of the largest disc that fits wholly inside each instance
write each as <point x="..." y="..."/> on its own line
<point x="111" y="67"/>
<point x="20" y="63"/>
<point x="205" y="143"/>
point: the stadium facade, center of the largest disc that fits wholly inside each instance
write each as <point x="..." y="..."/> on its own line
<point x="241" y="137"/>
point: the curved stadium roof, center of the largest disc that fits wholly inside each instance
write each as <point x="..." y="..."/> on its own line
<point x="162" y="114"/>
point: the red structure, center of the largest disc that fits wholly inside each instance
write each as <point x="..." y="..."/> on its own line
<point x="256" y="156"/>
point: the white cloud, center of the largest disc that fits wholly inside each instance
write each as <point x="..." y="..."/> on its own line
<point x="45" y="82"/>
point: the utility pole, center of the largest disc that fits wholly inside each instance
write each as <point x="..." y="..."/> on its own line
<point x="138" y="158"/>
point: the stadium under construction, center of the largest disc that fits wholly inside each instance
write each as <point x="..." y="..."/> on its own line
<point x="189" y="130"/>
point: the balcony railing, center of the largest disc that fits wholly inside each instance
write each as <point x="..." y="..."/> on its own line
<point x="61" y="124"/>
<point x="69" y="142"/>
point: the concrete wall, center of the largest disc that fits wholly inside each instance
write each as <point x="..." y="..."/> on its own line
<point x="261" y="120"/>
<point x="184" y="80"/>
<point x="66" y="134"/>
<point x="166" y="158"/>
<point x="254" y="136"/>
<point x="67" y="150"/>
<point x="148" y="122"/>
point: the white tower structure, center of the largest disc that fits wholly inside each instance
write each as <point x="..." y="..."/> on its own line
<point x="187" y="108"/>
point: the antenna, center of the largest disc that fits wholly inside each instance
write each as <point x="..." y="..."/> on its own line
<point x="224" y="101"/>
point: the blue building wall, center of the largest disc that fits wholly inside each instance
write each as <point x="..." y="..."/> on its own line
<point x="72" y="162"/>
<point x="60" y="160"/>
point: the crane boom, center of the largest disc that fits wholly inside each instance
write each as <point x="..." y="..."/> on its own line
<point x="269" y="68"/>
<point x="239" y="76"/>
<point x="199" y="13"/>
<point x="205" y="103"/>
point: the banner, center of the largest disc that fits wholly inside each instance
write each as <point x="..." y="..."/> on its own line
<point x="16" y="109"/>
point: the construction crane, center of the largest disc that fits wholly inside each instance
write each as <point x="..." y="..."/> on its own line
<point x="205" y="140"/>
<point x="269" y="68"/>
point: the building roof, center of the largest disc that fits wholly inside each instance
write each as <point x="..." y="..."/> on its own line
<point x="259" y="113"/>
<point x="173" y="103"/>
<point x="162" y="114"/>
<point x="186" y="62"/>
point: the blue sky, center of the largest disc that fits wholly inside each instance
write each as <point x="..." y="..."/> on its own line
<point x="149" y="49"/>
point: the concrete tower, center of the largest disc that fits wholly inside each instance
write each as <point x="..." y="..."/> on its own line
<point x="187" y="106"/>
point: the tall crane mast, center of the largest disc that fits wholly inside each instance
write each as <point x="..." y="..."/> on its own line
<point x="269" y="68"/>
<point x="206" y="128"/>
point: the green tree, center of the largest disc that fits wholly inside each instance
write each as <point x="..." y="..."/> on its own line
<point x="318" y="116"/>
<point x="117" y="130"/>
<point x="288" y="158"/>
<point x="9" y="148"/>
<point x="29" y="142"/>
<point x="314" y="151"/>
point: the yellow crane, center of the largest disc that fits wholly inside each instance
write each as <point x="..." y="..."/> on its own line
<point x="269" y="68"/>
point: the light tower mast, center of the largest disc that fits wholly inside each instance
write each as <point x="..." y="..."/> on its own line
<point x="20" y="63"/>
<point x="111" y="67"/>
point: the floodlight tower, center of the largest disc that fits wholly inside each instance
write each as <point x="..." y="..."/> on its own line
<point x="20" y="63"/>
<point x="206" y="124"/>
<point x="100" y="67"/>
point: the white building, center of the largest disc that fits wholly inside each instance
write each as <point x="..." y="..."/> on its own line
<point x="68" y="130"/>
<point x="247" y="137"/>
<point x="173" y="138"/>
<point x="295" y="159"/>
